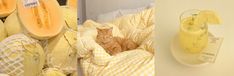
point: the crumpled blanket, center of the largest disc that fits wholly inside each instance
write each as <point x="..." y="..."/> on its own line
<point x="95" y="61"/>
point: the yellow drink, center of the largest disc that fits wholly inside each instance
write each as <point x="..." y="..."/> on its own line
<point x="193" y="38"/>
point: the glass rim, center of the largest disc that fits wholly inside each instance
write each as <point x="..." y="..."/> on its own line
<point x="187" y="11"/>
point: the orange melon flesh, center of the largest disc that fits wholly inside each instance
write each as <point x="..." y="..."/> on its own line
<point x="72" y="3"/>
<point x="43" y="21"/>
<point x="7" y="7"/>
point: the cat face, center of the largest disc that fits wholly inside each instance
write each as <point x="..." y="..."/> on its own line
<point x="105" y="34"/>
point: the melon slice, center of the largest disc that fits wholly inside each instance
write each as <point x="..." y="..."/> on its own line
<point x="43" y="21"/>
<point x="61" y="52"/>
<point x="21" y="55"/>
<point x="12" y="24"/>
<point x="3" y="33"/>
<point x="7" y="7"/>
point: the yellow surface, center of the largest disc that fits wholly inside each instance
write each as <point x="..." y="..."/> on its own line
<point x="61" y="52"/>
<point x="138" y="62"/>
<point x="13" y="24"/>
<point x="34" y="59"/>
<point x="70" y="17"/>
<point x="2" y="31"/>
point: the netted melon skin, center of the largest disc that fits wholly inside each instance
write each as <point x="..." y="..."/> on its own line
<point x="21" y="55"/>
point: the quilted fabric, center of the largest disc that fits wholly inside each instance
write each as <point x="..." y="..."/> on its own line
<point x="95" y="61"/>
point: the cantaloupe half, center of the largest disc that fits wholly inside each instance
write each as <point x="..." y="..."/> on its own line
<point x="3" y="33"/>
<point x="7" y="7"/>
<point x="43" y="21"/>
<point x="72" y="4"/>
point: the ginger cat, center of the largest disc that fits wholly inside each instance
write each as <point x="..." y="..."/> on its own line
<point x="113" y="45"/>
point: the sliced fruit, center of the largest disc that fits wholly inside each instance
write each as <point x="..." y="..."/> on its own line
<point x="12" y="24"/>
<point x="207" y="16"/>
<point x="43" y="21"/>
<point x="70" y="17"/>
<point x="7" y="7"/>
<point x="61" y="52"/>
<point x="72" y="3"/>
<point x="21" y="56"/>
<point x="3" y="33"/>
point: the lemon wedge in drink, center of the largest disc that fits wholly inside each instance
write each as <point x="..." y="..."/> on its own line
<point x="206" y="16"/>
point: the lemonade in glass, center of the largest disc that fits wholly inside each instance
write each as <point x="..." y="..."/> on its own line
<point x="193" y="36"/>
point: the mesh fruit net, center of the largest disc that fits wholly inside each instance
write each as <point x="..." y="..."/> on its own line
<point x="11" y="54"/>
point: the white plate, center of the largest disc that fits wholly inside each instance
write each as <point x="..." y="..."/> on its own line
<point x="183" y="57"/>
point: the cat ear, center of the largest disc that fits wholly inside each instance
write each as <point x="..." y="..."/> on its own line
<point x="98" y="30"/>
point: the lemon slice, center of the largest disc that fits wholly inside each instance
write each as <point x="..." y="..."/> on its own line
<point x="207" y="16"/>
